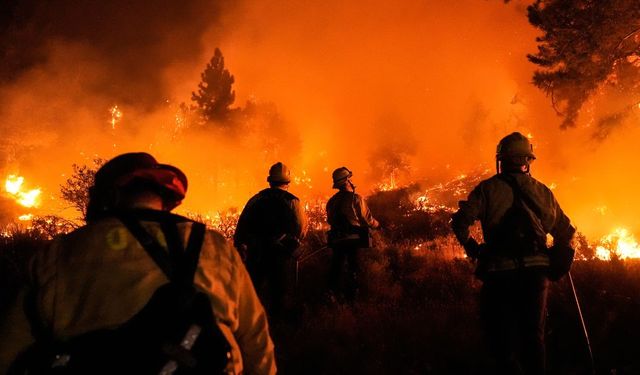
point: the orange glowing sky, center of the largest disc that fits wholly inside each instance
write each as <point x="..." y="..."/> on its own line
<point x="439" y="81"/>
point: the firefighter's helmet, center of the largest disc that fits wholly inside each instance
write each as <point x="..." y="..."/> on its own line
<point x="340" y="176"/>
<point x="279" y="174"/>
<point x="515" y="145"/>
<point x="139" y="167"/>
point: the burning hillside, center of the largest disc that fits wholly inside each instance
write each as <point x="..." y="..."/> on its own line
<point x="413" y="214"/>
<point x="390" y="92"/>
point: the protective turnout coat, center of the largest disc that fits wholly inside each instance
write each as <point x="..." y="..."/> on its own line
<point x="99" y="276"/>
<point x="489" y="203"/>
<point x="269" y="216"/>
<point x="347" y="209"/>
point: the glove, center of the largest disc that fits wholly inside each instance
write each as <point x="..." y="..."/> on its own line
<point x="472" y="248"/>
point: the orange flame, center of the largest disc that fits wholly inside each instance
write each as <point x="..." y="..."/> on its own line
<point x="619" y="243"/>
<point x="27" y="198"/>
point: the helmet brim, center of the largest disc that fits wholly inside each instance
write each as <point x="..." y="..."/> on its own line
<point x="273" y="180"/>
<point x="166" y="177"/>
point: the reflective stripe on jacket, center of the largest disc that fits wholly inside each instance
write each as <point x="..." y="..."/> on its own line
<point x="496" y="264"/>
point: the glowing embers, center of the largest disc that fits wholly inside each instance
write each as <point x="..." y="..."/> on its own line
<point x="27" y="198"/>
<point x="304" y="180"/>
<point x="620" y="244"/>
<point x="116" y="116"/>
<point x="424" y="203"/>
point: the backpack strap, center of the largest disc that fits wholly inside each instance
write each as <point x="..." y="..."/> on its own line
<point x="149" y="243"/>
<point x="524" y="201"/>
<point x="175" y="248"/>
<point x="179" y="264"/>
<point x="192" y="252"/>
<point x="519" y="196"/>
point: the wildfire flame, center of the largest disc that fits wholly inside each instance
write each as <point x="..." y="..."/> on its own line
<point x="26" y="217"/>
<point x="27" y="198"/>
<point x="620" y="243"/>
<point x="388" y="184"/>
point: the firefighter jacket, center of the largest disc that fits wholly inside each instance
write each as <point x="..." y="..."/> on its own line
<point x="490" y="201"/>
<point x="269" y="217"/>
<point x="347" y="209"/>
<point x="99" y="276"/>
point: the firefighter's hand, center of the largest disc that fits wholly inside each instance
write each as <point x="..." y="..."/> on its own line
<point x="472" y="248"/>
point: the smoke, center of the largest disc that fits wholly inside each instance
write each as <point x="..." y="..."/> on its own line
<point x="422" y="88"/>
<point x="132" y="43"/>
<point x="346" y="66"/>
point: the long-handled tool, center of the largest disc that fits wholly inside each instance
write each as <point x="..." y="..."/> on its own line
<point x="584" y="326"/>
<point x="304" y="258"/>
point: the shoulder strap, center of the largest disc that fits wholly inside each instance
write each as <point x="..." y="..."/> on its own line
<point x="192" y="253"/>
<point x="179" y="264"/>
<point x="149" y="243"/>
<point x="357" y="213"/>
<point x="520" y="196"/>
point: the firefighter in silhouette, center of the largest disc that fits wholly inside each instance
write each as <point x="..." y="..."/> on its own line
<point x="270" y="229"/>
<point x="351" y="222"/>
<point x="99" y="277"/>
<point x="516" y="213"/>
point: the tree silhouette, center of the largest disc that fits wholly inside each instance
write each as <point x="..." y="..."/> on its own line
<point x="588" y="47"/>
<point x="76" y="189"/>
<point x="215" y="95"/>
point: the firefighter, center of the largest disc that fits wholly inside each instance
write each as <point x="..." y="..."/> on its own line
<point x="516" y="213"/>
<point x="351" y="222"/>
<point x="270" y="229"/>
<point x="100" y="275"/>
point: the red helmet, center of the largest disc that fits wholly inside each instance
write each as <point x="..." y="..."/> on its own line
<point x="126" y="169"/>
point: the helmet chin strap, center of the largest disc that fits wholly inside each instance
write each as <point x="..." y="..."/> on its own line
<point x="351" y="184"/>
<point x="500" y="170"/>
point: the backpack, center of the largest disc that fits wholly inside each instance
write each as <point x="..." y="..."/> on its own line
<point x="174" y="333"/>
<point x="519" y="234"/>
<point x="524" y="232"/>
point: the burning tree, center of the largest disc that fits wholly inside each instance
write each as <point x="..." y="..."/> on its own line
<point x="587" y="46"/>
<point x="215" y="95"/>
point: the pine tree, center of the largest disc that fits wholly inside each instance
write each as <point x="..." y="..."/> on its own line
<point x="215" y="95"/>
<point x="588" y="47"/>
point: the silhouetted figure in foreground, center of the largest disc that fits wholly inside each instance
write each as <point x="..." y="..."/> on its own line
<point x="516" y="212"/>
<point x="270" y="229"/>
<point x="351" y="222"/>
<point x="104" y="276"/>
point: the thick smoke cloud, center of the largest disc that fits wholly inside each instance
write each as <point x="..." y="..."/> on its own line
<point x="132" y="42"/>
<point x="428" y="87"/>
